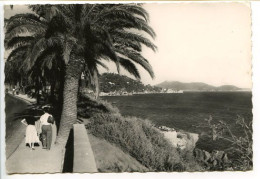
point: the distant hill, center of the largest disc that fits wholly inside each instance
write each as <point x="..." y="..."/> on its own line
<point x="195" y="86"/>
<point x="228" y="88"/>
<point x="111" y="82"/>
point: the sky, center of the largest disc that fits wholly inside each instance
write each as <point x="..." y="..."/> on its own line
<point x="197" y="42"/>
<point x="201" y="42"/>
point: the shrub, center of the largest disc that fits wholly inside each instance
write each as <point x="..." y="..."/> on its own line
<point x="241" y="146"/>
<point x="135" y="136"/>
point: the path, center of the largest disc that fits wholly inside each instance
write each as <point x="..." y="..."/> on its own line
<point x="14" y="127"/>
<point x="20" y="159"/>
<point x="24" y="97"/>
<point x="25" y="160"/>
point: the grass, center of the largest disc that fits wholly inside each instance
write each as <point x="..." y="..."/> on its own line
<point x="136" y="137"/>
<point x="110" y="158"/>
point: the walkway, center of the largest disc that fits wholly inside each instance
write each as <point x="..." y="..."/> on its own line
<point x="20" y="159"/>
<point x="14" y="128"/>
<point x="24" y="97"/>
<point x="25" y="160"/>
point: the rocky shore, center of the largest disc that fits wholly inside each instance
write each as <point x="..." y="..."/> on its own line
<point x="187" y="141"/>
<point x="180" y="139"/>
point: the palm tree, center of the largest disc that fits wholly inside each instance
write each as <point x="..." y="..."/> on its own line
<point x="21" y="37"/>
<point x="98" y="32"/>
<point x="24" y="34"/>
<point x="88" y="34"/>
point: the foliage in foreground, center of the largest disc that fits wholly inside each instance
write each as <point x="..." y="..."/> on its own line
<point x="241" y="151"/>
<point x="134" y="136"/>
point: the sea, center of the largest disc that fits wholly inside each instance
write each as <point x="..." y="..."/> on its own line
<point x="187" y="111"/>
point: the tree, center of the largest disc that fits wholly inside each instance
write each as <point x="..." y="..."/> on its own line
<point x="100" y="33"/>
<point x="24" y="34"/>
<point x="87" y="34"/>
<point x="20" y="37"/>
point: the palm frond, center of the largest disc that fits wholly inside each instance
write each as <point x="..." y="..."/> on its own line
<point x="18" y="41"/>
<point x="37" y="50"/>
<point x="138" y="10"/>
<point x="18" y="50"/>
<point x="130" y="36"/>
<point x="24" y="19"/>
<point x="130" y="67"/>
<point x="127" y="19"/>
<point x="118" y="42"/>
<point x="66" y="14"/>
<point x="102" y="65"/>
<point x="47" y="60"/>
<point x="25" y="29"/>
<point x="137" y="58"/>
<point x="106" y="50"/>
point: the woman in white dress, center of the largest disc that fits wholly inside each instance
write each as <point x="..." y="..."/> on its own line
<point x="31" y="135"/>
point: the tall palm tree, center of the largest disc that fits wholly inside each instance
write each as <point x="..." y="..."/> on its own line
<point x="87" y="35"/>
<point x="24" y="34"/>
<point x="98" y="32"/>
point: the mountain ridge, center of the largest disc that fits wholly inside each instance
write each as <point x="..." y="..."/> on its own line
<point x="196" y="86"/>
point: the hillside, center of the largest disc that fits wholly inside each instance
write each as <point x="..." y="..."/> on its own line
<point x="118" y="135"/>
<point x="228" y="88"/>
<point x="111" y="82"/>
<point x="195" y="86"/>
<point x="110" y="158"/>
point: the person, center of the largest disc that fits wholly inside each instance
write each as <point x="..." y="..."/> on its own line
<point x="31" y="136"/>
<point x="54" y="132"/>
<point x="46" y="130"/>
<point x="38" y="128"/>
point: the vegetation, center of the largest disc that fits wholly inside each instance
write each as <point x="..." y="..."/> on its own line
<point x="110" y="82"/>
<point x="78" y="38"/>
<point x="110" y="158"/>
<point x="25" y="35"/>
<point x="137" y="137"/>
<point x="241" y="152"/>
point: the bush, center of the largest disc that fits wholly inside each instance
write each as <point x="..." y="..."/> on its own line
<point x="137" y="137"/>
<point x="240" y="151"/>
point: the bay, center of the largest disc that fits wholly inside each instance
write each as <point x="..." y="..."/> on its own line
<point x="186" y="111"/>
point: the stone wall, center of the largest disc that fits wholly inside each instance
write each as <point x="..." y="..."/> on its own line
<point x="83" y="159"/>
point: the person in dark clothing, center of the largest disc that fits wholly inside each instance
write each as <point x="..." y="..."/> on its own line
<point x="31" y="136"/>
<point x="46" y="130"/>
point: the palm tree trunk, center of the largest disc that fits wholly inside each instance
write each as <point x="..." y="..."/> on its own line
<point x="97" y="91"/>
<point x="52" y="96"/>
<point x="96" y="81"/>
<point x="37" y="88"/>
<point x="70" y="94"/>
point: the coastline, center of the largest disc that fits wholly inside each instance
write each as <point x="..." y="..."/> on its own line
<point x="180" y="139"/>
<point x="179" y="93"/>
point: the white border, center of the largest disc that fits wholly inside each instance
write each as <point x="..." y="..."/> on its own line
<point x="256" y="82"/>
<point x="2" y="103"/>
<point x="198" y="175"/>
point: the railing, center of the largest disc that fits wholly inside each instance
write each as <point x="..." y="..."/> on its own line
<point x="83" y="160"/>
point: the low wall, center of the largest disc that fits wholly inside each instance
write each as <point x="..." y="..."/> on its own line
<point x="83" y="160"/>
